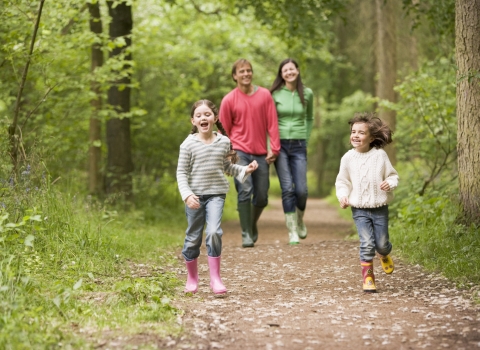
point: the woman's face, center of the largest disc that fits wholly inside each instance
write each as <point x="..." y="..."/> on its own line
<point x="290" y="73"/>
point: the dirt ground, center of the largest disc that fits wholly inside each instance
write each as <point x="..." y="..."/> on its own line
<point x="310" y="296"/>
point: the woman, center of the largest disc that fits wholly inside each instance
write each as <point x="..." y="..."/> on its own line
<point x="294" y="103"/>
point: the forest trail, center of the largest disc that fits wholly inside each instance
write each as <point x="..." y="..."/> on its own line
<point x="310" y="296"/>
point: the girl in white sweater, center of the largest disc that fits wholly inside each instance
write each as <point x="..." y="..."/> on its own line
<point x="365" y="182"/>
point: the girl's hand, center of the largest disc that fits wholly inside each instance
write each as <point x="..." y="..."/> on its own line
<point x="251" y="167"/>
<point x="384" y="186"/>
<point x="192" y="202"/>
<point x="344" y="203"/>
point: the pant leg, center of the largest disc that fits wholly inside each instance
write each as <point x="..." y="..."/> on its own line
<point x="213" y="231"/>
<point x="193" y="235"/>
<point x="244" y="190"/>
<point x="261" y="182"/>
<point x="282" y="166"/>
<point x="364" y="224"/>
<point x="380" y="230"/>
<point x="298" y="166"/>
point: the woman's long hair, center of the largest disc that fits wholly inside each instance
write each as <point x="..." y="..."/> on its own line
<point x="232" y="155"/>
<point x="279" y="82"/>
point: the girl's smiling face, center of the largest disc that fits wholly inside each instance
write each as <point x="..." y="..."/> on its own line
<point x="204" y="119"/>
<point x="360" y="137"/>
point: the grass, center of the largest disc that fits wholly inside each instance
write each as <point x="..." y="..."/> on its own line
<point x="426" y="233"/>
<point x="70" y="270"/>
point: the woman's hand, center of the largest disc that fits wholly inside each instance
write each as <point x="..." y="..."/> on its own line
<point x="192" y="202"/>
<point x="344" y="203"/>
<point x="251" y="167"/>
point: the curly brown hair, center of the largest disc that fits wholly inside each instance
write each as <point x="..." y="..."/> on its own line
<point x="378" y="128"/>
<point x="232" y="155"/>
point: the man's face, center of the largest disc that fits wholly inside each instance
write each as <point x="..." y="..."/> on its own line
<point x="243" y="75"/>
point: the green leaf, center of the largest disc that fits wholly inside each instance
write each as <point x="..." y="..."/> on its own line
<point x="29" y="240"/>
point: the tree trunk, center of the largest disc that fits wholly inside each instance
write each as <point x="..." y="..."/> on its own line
<point x="119" y="159"/>
<point x="94" y="152"/>
<point x="467" y="43"/>
<point x="387" y="63"/>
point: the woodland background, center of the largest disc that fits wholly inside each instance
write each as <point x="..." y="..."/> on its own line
<point x="94" y="103"/>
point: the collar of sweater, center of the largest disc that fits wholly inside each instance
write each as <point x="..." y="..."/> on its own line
<point x="363" y="154"/>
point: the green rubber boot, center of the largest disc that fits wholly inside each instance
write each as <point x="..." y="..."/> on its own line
<point x="302" y="229"/>
<point x="291" y="221"/>
<point x="256" y="212"/>
<point x="245" y="214"/>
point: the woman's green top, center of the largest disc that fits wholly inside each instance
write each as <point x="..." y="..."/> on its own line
<point x="295" y="120"/>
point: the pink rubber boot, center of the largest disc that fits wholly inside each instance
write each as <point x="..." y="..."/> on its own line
<point x="215" y="281"/>
<point x="192" y="276"/>
<point x="368" y="277"/>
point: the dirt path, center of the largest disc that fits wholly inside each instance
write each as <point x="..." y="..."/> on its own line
<point x="309" y="296"/>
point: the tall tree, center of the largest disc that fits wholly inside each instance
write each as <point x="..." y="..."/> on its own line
<point x="14" y="135"/>
<point x="119" y="159"/>
<point x="467" y="42"/>
<point x="387" y="62"/>
<point x="94" y="153"/>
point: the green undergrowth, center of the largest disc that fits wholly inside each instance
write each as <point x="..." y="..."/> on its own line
<point x="72" y="269"/>
<point x="425" y="232"/>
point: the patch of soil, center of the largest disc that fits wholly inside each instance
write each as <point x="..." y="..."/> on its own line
<point x="310" y="296"/>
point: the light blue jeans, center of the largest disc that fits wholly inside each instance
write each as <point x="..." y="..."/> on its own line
<point x="255" y="188"/>
<point x="372" y="227"/>
<point x="291" y="166"/>
<point x="209" y="213"/>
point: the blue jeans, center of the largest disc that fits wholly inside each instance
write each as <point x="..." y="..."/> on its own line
<point x="372" y="227"/>
<point x="255" y="188"/>
<point x="291" y="165"/>
<point x="210" y="212"/>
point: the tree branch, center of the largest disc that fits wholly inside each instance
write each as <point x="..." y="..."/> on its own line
<point x="13" y="127"/>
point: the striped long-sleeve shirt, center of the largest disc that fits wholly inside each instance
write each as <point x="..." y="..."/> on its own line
<point x="201" y="167"/>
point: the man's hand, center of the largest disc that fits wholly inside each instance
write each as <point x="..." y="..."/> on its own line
<point x="192" y="202"/>
<point x="271" y="157"/>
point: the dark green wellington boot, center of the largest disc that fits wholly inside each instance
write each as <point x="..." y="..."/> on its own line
<point x="245" y="213"/>
<point x="256" y="212"/>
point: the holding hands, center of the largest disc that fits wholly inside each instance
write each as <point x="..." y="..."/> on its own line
<point x="271" y="157"/>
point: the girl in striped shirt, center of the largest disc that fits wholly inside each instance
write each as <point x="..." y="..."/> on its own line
<point x="205" y="156"/>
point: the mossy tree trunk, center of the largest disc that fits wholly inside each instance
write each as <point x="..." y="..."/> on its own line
<point x="119" y="158"/>
<point x="94" y="153"/>
<point x="387" y="63"/>
<point x="467" y="43"/>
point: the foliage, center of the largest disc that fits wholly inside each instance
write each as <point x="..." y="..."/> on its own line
<point x="426" y="233"/>
<point x="426" y="126"/>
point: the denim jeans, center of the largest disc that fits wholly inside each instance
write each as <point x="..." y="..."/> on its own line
<point x="210" y="213"/>
<point x="372" y="227"/>
<point x="255" y="188"/>
<point x="291" y="166"/>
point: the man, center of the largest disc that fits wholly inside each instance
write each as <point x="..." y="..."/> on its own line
<point x="248" y="115"/>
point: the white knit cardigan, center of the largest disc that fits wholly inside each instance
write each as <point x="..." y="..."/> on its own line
<point x="360" y="177"/>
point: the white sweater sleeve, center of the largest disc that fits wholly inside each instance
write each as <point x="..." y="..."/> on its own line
<point x="390" y="175"/>
<point x="343" y="184"/>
